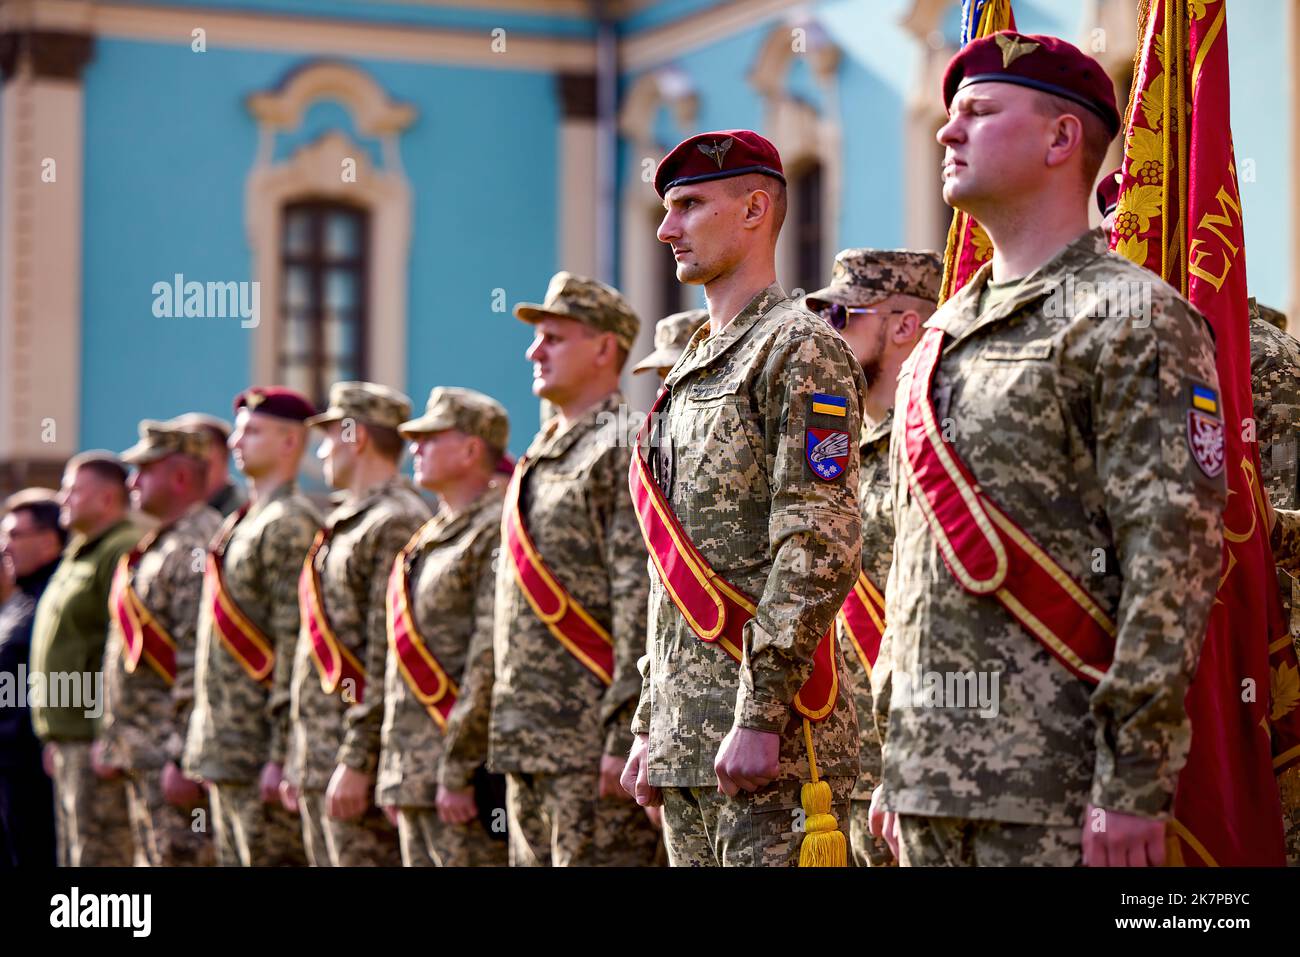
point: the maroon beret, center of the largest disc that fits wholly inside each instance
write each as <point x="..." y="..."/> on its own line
<point x="1108" y="190"/>
<point x="717" y="155"/>
<point x="277" y="401"/>
<point x="1039" y="62"/>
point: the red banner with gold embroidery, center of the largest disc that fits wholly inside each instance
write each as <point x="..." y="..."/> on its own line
<point x="1179" y="215"/>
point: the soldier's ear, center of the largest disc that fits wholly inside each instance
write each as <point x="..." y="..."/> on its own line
<point x="908" y="327"/>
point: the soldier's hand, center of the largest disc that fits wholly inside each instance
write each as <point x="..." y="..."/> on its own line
<point x="884" y="824"/>
<point x="268" y="783"/>
<point x="103" y="770"/>
<point x="1115" y="839"/>
<point x="611" y="778"/>
<point x="456" y="807"/>
<point x="178" y="790"/>
<point x="348" y="794"/>
<point x="636" y="774"/>
<point x="656" y="816"/>
<point x="289" y="795"/>
<point x="747" y="760"/>
<point x="47" y="759"/>
<point x="390" y="812"/>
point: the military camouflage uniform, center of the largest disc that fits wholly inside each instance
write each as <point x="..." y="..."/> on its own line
<point x="875" y="503"/>
<point x="730" y="457"/>
<point x="145" y="719"/>
<point x="1286" y="548"/>
<point x="552" y="719"/>
<point x="862" y="277"/>
<point x="1031" y="401"/>
<point x="239" y="725"/>
<point x="453" y="589"/>
<point x="1275" y="383"/>
<point x="331" y="729"/>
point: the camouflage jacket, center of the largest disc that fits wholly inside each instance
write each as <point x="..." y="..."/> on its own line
<point x="144" y="720"/>
<point x="238" y="724"/>
<point x="550" y="714"/>
<point x="876" y="504"/>
<point x="1287" y="551"/>
<point x="1078" y="427"/>
<point x="364" y="536"/>
<point x="1275" y="384"/>
<point x="729" y="451"/>
<point x="453" y="591"/>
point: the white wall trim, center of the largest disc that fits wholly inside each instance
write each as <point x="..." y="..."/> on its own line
<point x="322" y="37"/>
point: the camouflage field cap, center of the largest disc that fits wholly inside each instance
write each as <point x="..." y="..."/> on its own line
<point x="1268" y="314"/>
<point x="367" y="402"/>
<point x="861" y="276"/>
<point x="161" y="439"/>
<point x="201" y="420"/>
<point x="672" y="334"/>
<point x="465" y="410"/>
<point x="590" y="302"/>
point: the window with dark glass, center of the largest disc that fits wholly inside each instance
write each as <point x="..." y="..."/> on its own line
<point x="808" y="252"/>
<point x="323" y="296"/>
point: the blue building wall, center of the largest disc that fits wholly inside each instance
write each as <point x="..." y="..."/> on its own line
<point x="169" y="145"/>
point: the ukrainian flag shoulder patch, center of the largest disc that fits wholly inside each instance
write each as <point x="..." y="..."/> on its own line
<point x="830" y="404"/>
<point x="1205" y="398"/>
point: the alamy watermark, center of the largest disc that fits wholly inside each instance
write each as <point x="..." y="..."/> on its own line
<point x="53" y="689"/>
<point x="211" y="300"/>
<point x="960" y="690"/>
<point x="1111" y="298"/>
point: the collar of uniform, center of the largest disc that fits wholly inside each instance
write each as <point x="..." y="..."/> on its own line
<point x="350" y="510"/>
<point x="448" y="524"/>
<point x="79" y="545"/>
<point x="960" y="316"/>
<point x="874" y="433"/>
<point x="178" y="524"/>
<point x="281" y="491"/>
<point x="552" y="443"/>
<point x="703" y="352"/>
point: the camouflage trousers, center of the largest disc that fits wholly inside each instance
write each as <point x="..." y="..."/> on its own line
<point x="253" y="834"/>
<point x="92" y="825"/>
<point x="557" y="820"/>
<point x="866" y="851"/>
<point x="164" y="835"/>
<point x="705" y="828"/>
<point x="428" y="842"/>
<point x="367" y="841"/>
<point x="958" y="842"/>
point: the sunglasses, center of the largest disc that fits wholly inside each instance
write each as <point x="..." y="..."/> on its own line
<point x="837" y="314"/>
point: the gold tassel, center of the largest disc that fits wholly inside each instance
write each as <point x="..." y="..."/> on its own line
<point x="823" y="844"/>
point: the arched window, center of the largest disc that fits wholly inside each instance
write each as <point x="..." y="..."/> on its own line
<point x="324" y="263"/>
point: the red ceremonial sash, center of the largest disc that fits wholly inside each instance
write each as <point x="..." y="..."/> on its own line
<point x="427" y="679"/>
<point x="142" y="636"/>
<point x="863" y="620"/>
<point x="986" y="551"/>
<point x="333" y="660"/>
<point x="563" y="617"/>
<point x="243" y="639"/>
<point x="714" y="609"/>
